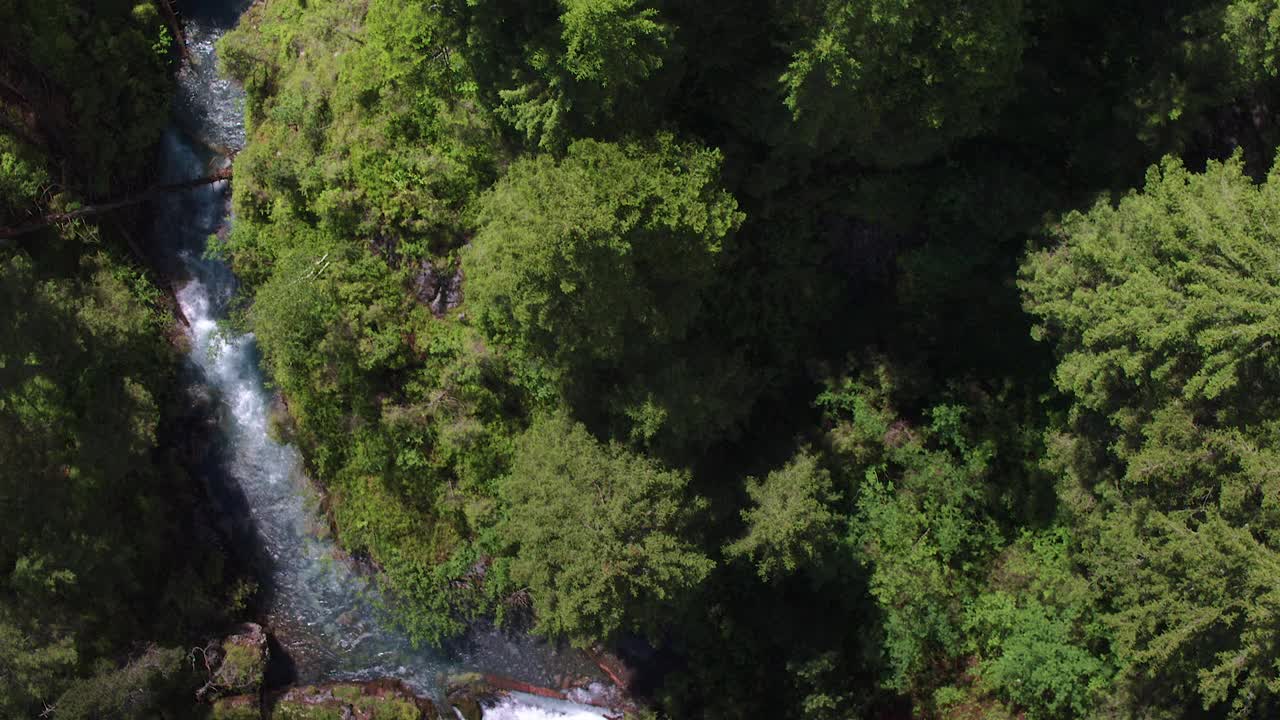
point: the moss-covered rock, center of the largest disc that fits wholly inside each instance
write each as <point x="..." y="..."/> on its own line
<point x="470" y="693"/>
<point x="238" y="707"/>
<point x="244" y="661"/>
<point x="378" y="700"/>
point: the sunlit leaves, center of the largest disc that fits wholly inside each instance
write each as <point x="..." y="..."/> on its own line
<point x="601" y="254"/>
<point x="791" y="521"/>
<point x="1163" y="309"/>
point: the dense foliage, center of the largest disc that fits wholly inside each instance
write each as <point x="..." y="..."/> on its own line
<point x="1162" y="310"/>
<point x="717" y="324"/>
<point x="88" y="82"/>
<point x="563" y="493"/>
<point x="896" y="82"/>
<point x="102" y="554"/>
<point x="857" y="358"/>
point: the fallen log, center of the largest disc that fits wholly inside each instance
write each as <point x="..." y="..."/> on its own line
<point x="8" y="233"/>
<point x="621" y="704"/>
<point x="613" y="666"/>
<point x="506" y="683"/>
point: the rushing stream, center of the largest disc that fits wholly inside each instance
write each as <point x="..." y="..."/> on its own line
<point x="323" y="611"/>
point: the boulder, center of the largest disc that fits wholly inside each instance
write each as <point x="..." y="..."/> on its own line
<point x="244" y="661"/>
<point x="470" y="693"/>
<point x="426" y="283"/>
<point x="375" y="700"/>
<point x="438" y="291"/>
<point x="467" y="707"/>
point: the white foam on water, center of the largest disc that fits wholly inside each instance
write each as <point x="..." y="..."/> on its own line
<point x="531" y="707"/>
<point x="511" y="711"/>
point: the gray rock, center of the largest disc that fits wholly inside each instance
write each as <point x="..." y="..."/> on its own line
<point x="441" y="293"/>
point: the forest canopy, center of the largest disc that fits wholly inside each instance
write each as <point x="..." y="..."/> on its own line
<point x="828" y="359"/>
<point x="100" y="543"/>
<point x="837" y="349"/>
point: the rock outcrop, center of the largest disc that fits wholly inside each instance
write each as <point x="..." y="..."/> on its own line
<point x="470" y="693"/>
<point x="244" y="660"/>
<point x="438" y="291"/>
<point x="375" y="700"/>
<point x="236" y="664"/>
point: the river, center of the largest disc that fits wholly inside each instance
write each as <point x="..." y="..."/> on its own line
<point x="323" y="611"/>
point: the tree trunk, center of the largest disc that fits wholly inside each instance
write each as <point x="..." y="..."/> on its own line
<point x="8" y="233"/>
<point x="175" y="26"/>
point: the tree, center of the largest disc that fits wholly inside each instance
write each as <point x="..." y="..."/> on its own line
<point x="93" y="495"/>
<point x="892" y="158"/>
<point x="792" y="519"/>
<point x="157" y="683"/>
<point x="1253" y="29"/>
<point x="96" y="543"/>
<point x="1196" y="611"/>
<point x="613" y="42"/>
<point x="600" y="536"/>
<point x="33" y="672"/>
<point x="896" y="80"/>
<point x="922" y="526"/>
<point x="22" y="178"/>
<point x="1036" y="631"/>
<point x="1163" y="310"/>
<point x="557" y="70"/>
<point x="602" y="256"/>
<point x="91" y="83"/>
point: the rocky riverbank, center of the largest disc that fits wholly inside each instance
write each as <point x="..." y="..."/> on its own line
<point x="375" y="700"/>
<point x="236" y="689"/>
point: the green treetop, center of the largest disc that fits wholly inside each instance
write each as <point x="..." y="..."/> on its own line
<point x="1164" y="311"/>
<point x="922" y="524"/>
<point x="612" y="42"/>
<point x="899" y="80"/>
<point x="592" y="258"/>
<point x="791" y="520"/>
<point x="555" y="70"/>
<point x="601" y="535"/>
<point x="1253" y="30"/>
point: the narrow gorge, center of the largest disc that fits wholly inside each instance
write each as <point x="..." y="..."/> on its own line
<point x="326" y="614"/>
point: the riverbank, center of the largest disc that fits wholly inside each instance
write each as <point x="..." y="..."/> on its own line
<point x="237" y="687"/>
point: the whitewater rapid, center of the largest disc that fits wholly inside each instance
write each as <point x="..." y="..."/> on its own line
<point x="325" y="614"/>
